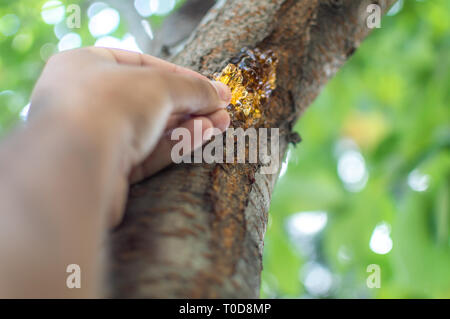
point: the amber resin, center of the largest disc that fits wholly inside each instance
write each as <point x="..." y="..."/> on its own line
<point x="251" y="76"/>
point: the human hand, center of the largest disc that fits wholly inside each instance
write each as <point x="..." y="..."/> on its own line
<point x="129" y="102"/>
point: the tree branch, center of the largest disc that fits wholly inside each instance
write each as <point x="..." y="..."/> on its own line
<point x="177" y="27"/>
<point x="133" y="20"/>
<point x="197" y="230"/>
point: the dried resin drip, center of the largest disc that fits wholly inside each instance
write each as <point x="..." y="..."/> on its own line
<point x="251" y="76"/>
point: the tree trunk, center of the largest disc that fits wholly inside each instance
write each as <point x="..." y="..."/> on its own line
<point x="197" y="230"/>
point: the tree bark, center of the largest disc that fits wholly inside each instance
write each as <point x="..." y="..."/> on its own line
<point x="197" y="230"/>
<point x="177" y="27"/>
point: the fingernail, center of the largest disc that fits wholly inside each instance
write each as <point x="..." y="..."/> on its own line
<point x="223" y="91"/>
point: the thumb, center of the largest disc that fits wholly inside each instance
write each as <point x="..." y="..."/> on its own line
<point x="192" y="95"/>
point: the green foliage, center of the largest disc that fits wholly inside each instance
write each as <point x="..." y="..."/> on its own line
<point x="391" y="100"/>
<point x="23" y="53"/>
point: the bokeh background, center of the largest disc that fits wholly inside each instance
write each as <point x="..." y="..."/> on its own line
<point x="369" y="183"/>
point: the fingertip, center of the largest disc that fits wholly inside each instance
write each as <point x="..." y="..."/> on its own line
<point x="223" y="91"/>
<point x="220" y="119"/>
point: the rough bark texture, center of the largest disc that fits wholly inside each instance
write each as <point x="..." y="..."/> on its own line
<point x="197" y="230"/>
<point x="177" y="27"/>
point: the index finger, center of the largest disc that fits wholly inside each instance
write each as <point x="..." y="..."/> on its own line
<point x="140" y="59"/>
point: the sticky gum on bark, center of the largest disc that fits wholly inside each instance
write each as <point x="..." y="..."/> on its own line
<point x="251" y="76"/>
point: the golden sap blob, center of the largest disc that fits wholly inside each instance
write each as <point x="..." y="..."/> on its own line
<point x="251" y="76"/>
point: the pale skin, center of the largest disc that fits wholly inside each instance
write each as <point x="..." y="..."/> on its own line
<point x="100" y="119"/>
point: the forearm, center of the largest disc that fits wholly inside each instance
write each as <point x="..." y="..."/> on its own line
<point x="55" y="191"/>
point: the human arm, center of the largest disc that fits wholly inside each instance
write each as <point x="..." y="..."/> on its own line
<point x="98" y="120"/>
